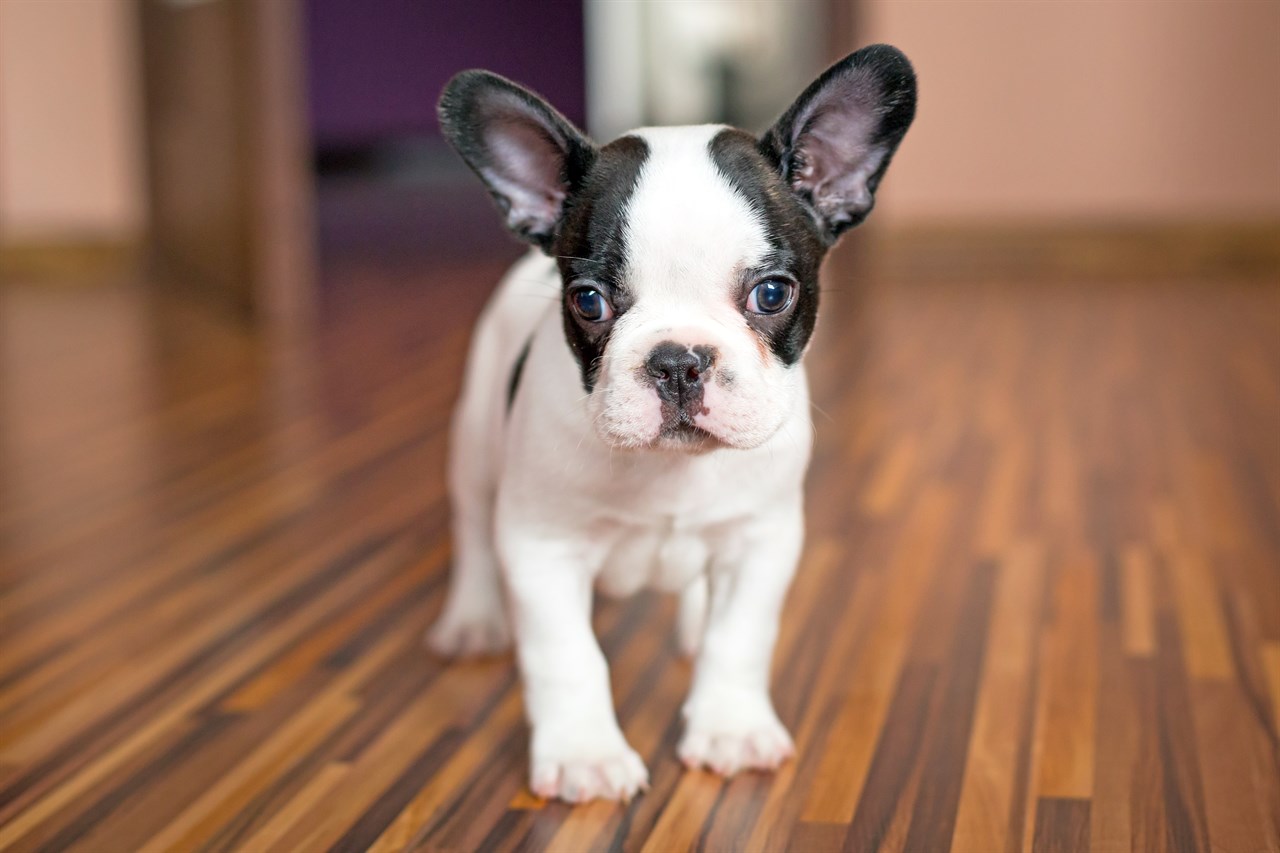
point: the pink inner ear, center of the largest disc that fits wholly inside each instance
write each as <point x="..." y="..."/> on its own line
<point x="525" y="165"/>
<point x="834" y="143"/>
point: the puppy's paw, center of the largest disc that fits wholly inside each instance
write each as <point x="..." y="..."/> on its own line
<point x="730" y="738"/>
<point x="468" y="633"/>
<point x="580" y="769"/>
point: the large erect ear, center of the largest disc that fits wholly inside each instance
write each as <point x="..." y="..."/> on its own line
<point x="528" y="155"/>
<point x="835" y="142"/>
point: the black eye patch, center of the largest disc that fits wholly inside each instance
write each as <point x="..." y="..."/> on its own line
<point x="796" y="245"/>
<point x="591" y="246"/>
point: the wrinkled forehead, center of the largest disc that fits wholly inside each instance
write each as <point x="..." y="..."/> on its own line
<point x="688" y="230"/>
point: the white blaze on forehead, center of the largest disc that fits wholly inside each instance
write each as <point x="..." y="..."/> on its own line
<point x="689" y="235"/>
<point x="688" y="231"/>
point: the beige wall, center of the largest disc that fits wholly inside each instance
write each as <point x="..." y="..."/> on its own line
<point x="1045" y="109"/>
<point x="1112" y="111"/>
<point x="70" y="138"/>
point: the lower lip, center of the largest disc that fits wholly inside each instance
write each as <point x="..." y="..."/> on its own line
<point x="685" y="431"/>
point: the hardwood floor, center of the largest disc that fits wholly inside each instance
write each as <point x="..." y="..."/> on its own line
<point x="1039" y="607"/>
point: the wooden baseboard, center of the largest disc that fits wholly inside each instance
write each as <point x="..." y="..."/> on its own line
<point x="922" y="252"/>
<point x="1094" y="252"/>
<point x="69" y="260"/>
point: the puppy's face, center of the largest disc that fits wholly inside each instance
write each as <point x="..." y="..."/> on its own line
<point x="689" y="256"/>
<point x="690" y="291"/>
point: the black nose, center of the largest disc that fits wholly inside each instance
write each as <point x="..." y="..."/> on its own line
<point x="677" y="371"/>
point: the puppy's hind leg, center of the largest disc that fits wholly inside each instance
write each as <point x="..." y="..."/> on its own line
<point x="474" y="619"/>
<point x="691" y="617"/>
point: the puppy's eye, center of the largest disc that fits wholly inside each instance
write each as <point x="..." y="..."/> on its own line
<point x="770" y="296"/>
<point x="590" y="304"/>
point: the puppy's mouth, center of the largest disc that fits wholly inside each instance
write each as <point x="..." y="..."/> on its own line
<point x="679" y="432"/>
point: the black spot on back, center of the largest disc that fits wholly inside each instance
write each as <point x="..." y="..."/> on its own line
<point x="513" y="384"/>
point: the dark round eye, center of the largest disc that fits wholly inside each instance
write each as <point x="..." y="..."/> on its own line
<point x="590" y="304"/>
<point x="770" y="296"/>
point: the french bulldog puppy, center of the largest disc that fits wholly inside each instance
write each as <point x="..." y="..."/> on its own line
<point x="635" y="409"/>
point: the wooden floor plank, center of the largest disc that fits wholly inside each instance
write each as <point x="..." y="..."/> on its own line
<point x="1138" y="608"/>
<point x="838" y="788"/>
<point x="1038" y="609"/>
<point x="997" y="742"/>
<point x="1062" y="826"/>
<point x="1070" y="684"/>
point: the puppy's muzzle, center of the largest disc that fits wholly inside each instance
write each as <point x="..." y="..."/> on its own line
<point x="678" y="373"/>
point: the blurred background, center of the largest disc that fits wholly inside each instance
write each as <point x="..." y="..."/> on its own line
<point x="238" y="271"/>
<point x="238" y="142"/>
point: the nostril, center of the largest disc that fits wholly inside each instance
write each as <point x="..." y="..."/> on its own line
<point x="675" y="369"/>
<point x="658" y="372"/>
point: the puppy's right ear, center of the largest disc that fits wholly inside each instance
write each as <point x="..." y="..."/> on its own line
<point x="528" y="155"/>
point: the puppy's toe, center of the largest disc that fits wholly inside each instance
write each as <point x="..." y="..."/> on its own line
<point x="730" y="744"/>
<point x="729" y="753"/>
<point x="472" y="635"/>
<point x="580" y="773"/>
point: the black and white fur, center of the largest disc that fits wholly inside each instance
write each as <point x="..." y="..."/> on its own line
<point x="666" y="442"/>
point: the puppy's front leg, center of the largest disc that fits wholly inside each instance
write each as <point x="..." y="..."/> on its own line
<point x="577" y="750"/>
<point x="730" y="721"/>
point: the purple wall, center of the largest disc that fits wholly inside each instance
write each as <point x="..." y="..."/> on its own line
<point x="376" y="67"/>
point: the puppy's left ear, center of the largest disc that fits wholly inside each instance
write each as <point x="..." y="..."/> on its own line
<point x="528" y="155"/>
<point x="834" y="143"/>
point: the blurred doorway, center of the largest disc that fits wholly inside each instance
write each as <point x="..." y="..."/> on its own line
<point x="392" y="197"/>
<point x="228" y="153"/>
<point x="293" y="145"/>
<point x="736" y="62"/>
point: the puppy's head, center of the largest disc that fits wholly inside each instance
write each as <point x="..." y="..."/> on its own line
<point x="689" y="256"/>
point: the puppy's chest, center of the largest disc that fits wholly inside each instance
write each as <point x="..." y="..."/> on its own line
<point x="690" y="493"/>
<point x="661" y="532"/>
<point x="663" y="556"/>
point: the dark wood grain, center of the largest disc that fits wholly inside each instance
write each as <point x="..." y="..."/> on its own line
<point x="1039" y="607"/>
